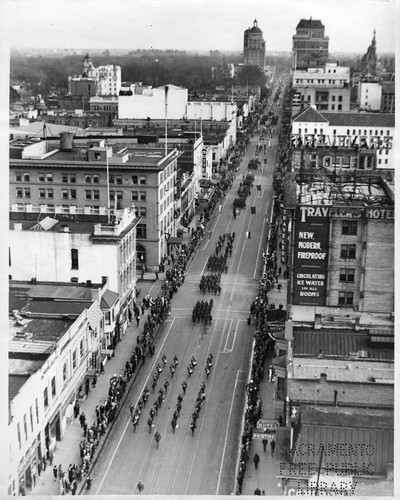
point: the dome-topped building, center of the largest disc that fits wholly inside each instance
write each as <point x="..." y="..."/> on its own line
<point x="254" y="46"/>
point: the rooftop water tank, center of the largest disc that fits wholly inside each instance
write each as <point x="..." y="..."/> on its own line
<point x="66" y="141"/>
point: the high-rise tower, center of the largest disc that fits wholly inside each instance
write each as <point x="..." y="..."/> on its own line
<point x="254" y="47"/>
<point x="310" y="45"/>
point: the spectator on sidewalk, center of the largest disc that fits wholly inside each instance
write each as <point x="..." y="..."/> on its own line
<point x="55" y="472"/>
<point x="257" y="491"/>
<point x="272" y="445"/>
<point x="256" y="460"/>
<point x="264" y="444"/>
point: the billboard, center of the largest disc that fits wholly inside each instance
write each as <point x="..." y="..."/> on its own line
<point x="311" y="243"/>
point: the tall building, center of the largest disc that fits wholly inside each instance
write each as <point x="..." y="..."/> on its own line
<point x="369" y="59"/>
<point x="310" y="45"/>
<point x="254" y="47"/>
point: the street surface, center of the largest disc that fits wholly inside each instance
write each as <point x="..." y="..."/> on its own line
<point x="205" y="462"/>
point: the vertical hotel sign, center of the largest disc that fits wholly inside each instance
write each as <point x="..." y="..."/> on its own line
<point x="311" y="255"/>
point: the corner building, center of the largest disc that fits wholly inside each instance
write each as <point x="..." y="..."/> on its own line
<point x="310" y="45"/>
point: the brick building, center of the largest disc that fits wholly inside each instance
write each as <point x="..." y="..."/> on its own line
<point x="74" y="177"/>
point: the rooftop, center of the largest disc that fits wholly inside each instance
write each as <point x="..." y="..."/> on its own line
<point x="15" y="382"/>
<point x="309" y="114"/>
<point x="343" y="417"/>
<point x="345" y="119"/>
<point x="339" y="344"/>
<point x="54" y="307"/>
<point x="310" y="24"/>
<point x="108" y="299"/>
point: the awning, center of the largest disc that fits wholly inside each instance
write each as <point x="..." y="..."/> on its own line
<point x="175" y="241"/>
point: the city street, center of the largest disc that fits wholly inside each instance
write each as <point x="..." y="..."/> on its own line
<point x="203" y="462"/>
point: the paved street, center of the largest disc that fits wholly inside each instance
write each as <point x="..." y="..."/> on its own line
<point x="205" y="462"/>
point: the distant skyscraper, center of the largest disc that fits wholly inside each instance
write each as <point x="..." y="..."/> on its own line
<point x="254" y="47"/>
<point x="369" y="59"/>
<point x="310" y="45"/>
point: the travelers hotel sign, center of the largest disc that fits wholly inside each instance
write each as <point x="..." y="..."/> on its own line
<point x="311" y="255"/>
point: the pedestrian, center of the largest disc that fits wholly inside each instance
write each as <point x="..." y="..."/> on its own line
<point x="256" y="460"/>
<point x="249" y="320"/>
<point x="140" y="486"/>
<point x="257" y="491"/>
<point x="157" y="437"/>
<point x="184" y="387"/>
<point x="44" y="463"/>
<point x="150" y="424"/>
<point x="173" y="424"/>
<point x="55" y="472"/>
<point x="166" y="384"/>
<point x="264" y="443"/>
<point x="272" y="445"/>
<point x="193" y="426"/>
<point x="137" y="320"/>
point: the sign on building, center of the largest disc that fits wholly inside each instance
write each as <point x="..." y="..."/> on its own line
<point x="311" y="255"/>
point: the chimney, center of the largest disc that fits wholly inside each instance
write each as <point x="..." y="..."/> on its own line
<point x="104" y="280"/>
<point x="88" y="282"/>
<point x="323" y="378"/>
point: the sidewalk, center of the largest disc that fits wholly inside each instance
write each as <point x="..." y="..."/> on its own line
<point x="265" y="476"/>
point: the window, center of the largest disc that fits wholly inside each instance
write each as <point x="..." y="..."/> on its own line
<point x="27" y="192"/>
<point x="134" y="179"/>
<point x="118" y="179"/>
<point x="72" y="194"/>
<point x="65" y="194"/>
<point x="49" y="177"/>
<point x="72" y="178"/>
<point x="53" y="386"/>
<point x="19" y="193"/>
<point x="65" y="372"/>
<point x="333" y="107"/>
<point x="348" y="251"/>
<point x="333" y="98"/>
<point x="50" y="193"/>
<point x="347" y="275"/>
<point x="64" y="177"/>
<point x="19" y="435"/>
<point x="88" y="179"/>
<point x="41" y="177"/>
<point x="45" y="398"/>
<point x="88" y="194"/>
<point x="18" y="176"/>
<point x="142" y="195"/>
<point x="95" y="179"/>
<point x="74" y="360"/>
<point x="346" y="298"/>
<point x="141" y="212"/>
<point x="81" y="348"/>
<point x="25" y="428"/>
<point x="37" y="410"/>
<point x="349" y="227"/>
<point x="141" y="231"/>
<point x="26" y="177"/>
<point x="340" y="98"/>
<point x="142" y="180"/>
<point x="107" y="316"/>
<point x="31" y="417"/>
<point x="96" y="194"/>
<point x="339" y="107"/>
<point x="74" y="258"/>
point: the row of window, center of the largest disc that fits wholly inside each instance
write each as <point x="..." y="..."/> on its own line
<point x="347" y="132"/>
<point x="137" y="180"/>
<point x="53" y="388"/>
<point x="70" y="194"/>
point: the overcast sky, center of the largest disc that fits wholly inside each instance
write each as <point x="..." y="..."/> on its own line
<point x="196" y="24"/>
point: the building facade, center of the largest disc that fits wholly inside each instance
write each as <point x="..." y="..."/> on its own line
<point x="374" y="131"/>
<point x="327" y="88"/>
<point x="254" y="47"/>
<point x="74" y="177"/>
<point x="52" y="360"/>
<point x="310" y="45"/>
